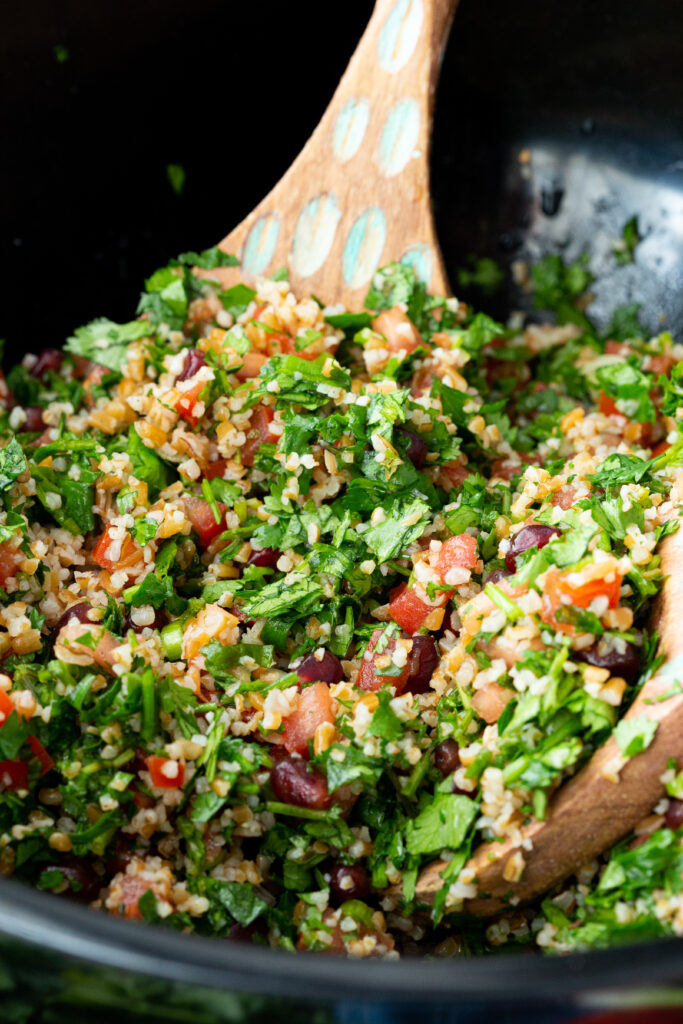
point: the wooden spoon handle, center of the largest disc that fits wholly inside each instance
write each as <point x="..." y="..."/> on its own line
<point x="608" y="797"/>
<point x="358" y="193"/>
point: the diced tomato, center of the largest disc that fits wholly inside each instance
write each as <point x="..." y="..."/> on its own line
<point x="7" y="706"/>
<point x="617" y="348"/>
<point x="201" y="516"/>
<point x="215" y="469"/>
<point x="560" y="585"/>
<point x="160" y="774"/>
<point x="9" y="561"/>
<point x="132" y="888"/>
<point x="258" y="433"/>
<point x="41" y="754"/>
<point x="251" y="366"/>
<point x="452" y="474"/>
<point x="128" y="554"/>
<point x="367" y="679"/>
<point x="103" y="653"/>
<point x="491" y="700"/>
<point x="421" y="383"/>
<point x="14" y="774"/>
<point x="607" y="405"/>
<point x="407" y="609"/>
<point x="458" y="552"/>
<point x="187" y="402"/>
<point x="401" y="333"/>
<point x="315" y="708"/>
<point x="660" y="448"/>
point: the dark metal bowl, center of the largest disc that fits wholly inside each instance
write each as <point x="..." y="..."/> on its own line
<point x="591" y="89"/>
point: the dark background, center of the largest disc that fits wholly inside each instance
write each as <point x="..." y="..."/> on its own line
<point x="231" y="91"/>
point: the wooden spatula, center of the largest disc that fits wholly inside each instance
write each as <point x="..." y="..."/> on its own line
<point x="358" y="195"/>
<point x="609" y="796"/>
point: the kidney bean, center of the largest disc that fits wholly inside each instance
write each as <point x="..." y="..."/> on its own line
<point x="48" y="359"/>
<point x="416" y="446"/>
<point x="266" y="558"/>
<point x="34" y="419"/>
<point x="194" y="360"/>
<point x="447" y="756"/>
<point x="77" y="612"/>
<point x="674" y="814"/>
<point x="84" y="882"/>
<point x="326" y="670"/>
<point x="496" y="576"/>
<point x="620" y="657"/>
<point x="160" y="620"/>
<point x="293" y="782"/>
<point x="349" y="882"/>
<point x="423" y="659"/>
<point x="535" y="535"/>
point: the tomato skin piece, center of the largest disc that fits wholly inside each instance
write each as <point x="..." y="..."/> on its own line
<point x="458" y="552"/>
<point x="659" y="449"/>
<point x="607" y="406"/>
<point x="14" y="774"/>
<point x="9" y="561"/>
<point x="258" y="433"/>
<point x="130" y="552"/>
<point x="155" y="766"/>
<point x="367" y="680"/>
<point x="215" y="469"/>
<point x="41" y="754"/>
<point x="407" y="610"/>
<point x="203" y="520"/>
<point x="399" y="330"/>
<point x="251" y="366"/>
<point x="315" y="708"/>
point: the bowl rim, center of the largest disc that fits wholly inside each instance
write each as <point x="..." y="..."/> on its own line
<point x="65" y="928"/>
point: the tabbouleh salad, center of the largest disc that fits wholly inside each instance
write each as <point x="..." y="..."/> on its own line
<point x="297" y="600"/>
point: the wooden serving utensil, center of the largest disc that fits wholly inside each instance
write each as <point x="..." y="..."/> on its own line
<point x="358" y="195"/>
<point x="608" y="797"/>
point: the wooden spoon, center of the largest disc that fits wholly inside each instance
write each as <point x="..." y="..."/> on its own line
<point x="608" y="797"/>
<point x="357" y="196"/>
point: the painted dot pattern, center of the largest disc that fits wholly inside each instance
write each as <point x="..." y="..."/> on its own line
<point x="399" y="136"/>
<point x="364" y="247"/>
<point x="399" y="35"/>
<point x="349" y="128"/>
<point x="259" y="245"/>
<point x="314" y="234"/>
<point x="421" y="259"/>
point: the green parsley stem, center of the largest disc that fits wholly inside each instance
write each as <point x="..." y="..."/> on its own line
<point x="503" y="602"/>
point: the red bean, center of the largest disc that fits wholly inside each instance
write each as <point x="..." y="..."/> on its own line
<point x="34" y="419"/>
<point x="447" y="756"/>
<point x="674" y="814"/>
<point x="265" y="558"/>
<point x="160" y="620"/>
<point x="77" y="612"/>
<point x="194" y="360"/>
<point x="496" y="576"/>
<point x="619" y="656"/>
<point x="423" y="659"/>
<point x="84" y="883"/>
<point x="326" y="670"/>
<point x="48" y="359"/>
<point x="349" y="882"/>
<point x="293" y="782"/>
<point x="535" y="535"/>
<point x="416" y="446"/>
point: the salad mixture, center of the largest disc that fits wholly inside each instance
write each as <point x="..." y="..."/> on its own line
<point x="297" y="600"/>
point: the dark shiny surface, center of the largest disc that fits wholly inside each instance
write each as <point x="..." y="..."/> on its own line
<point x="591" y="91"/>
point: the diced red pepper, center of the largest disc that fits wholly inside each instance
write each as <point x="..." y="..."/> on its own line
<point x="129" y="552"/>
<point x="41" y="754"/>
<point x="368" y="679"/>
<point x="157" y="770"/>
<point x="407" y="609"/>
<point x="14" y="774"/>
<point x="315" y="708"/>
<point x="459" y="552"/>
<point x="201" y="516"/>
<point x="660" y="448"/>
<point x="258" y="433"/>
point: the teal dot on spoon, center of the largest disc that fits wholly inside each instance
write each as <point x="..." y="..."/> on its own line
<point x="314" y="234"/>
<point x="363" y="247"/>
<point x="399" y="35"/>
<point x="399" y="136"/>
<point x="349" y="128"/>
<point x="259" y="246"/>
